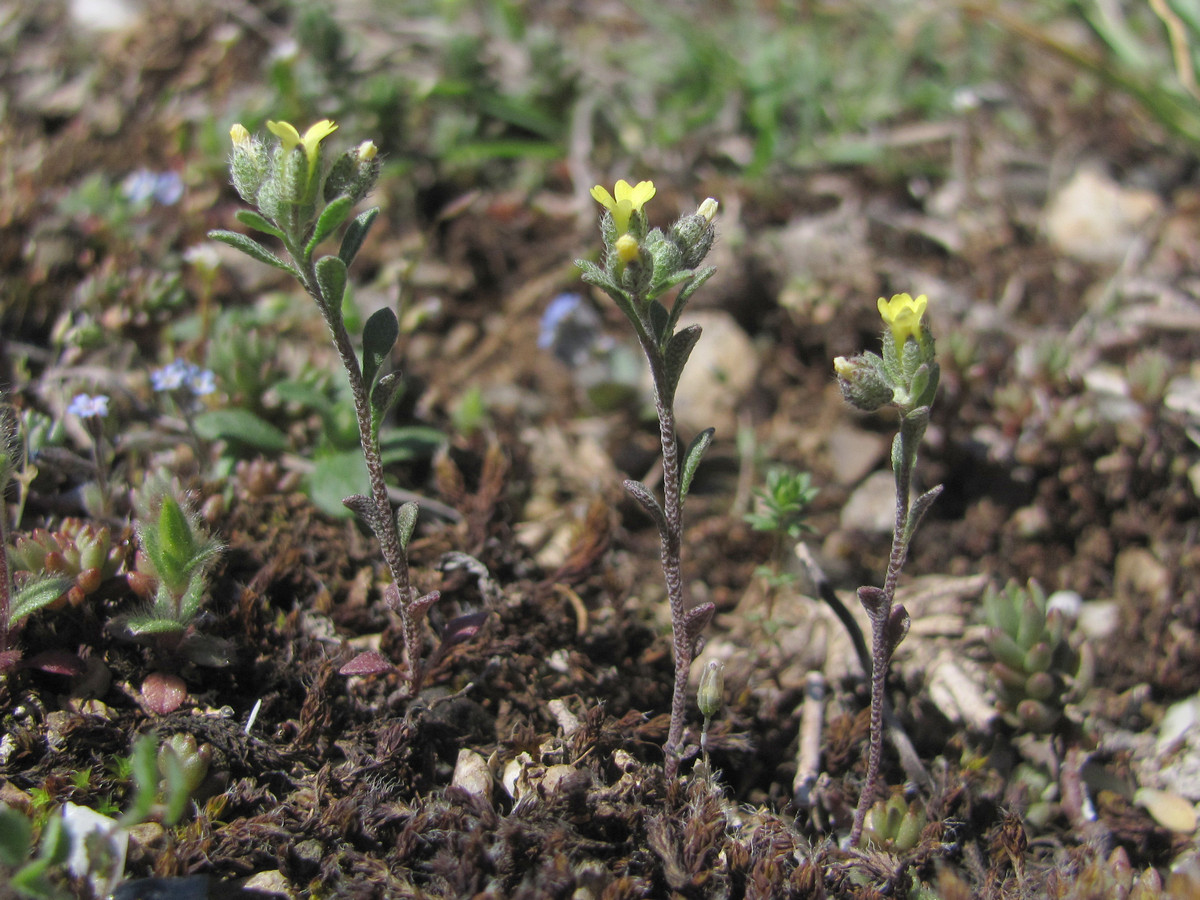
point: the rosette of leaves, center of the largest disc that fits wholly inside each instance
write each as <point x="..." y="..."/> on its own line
<point x="176" y="558"/>
<point x="1037" y="671"/>
<point x="894" y="824"/>
<point x="80" y="551"/>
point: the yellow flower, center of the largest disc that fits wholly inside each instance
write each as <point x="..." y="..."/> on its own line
<point x="627" y="201"/>
<point x="367" y="151"/>
<point x="239" y="135"/>
<point x="902" y="315"/>
<point x="290" y="137"/>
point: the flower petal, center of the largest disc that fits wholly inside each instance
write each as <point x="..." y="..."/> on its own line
<point x="286" y="132"/>
<point x="601" y="195"/>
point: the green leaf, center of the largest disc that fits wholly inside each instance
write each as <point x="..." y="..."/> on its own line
<point x="251" y="219"/>
<point x="139" y="625"/>
<point x="685" y="294"/>
<point x="356" y="233"/>
<point x="332" y="216"/>
<point x="691" y="459"/>
<point x="177" y="791"/>
<point x="37" y="594"/>
<point x="406" y="521"/>
<point x="240" y="426"/>
<point x="331" y="279"/>
<point x="177" y="543"/>
<point x="660" y="319"/>
<point x="252" y="248"/>
<point x="145" y="780"/>
<point x="383" y="397"/>
<point x="678" y="350"/>
<point x="379" y="337"/>
<point x="413" y="442"/>
<point x="335" y="476"/>
<point x="16" y="837"/>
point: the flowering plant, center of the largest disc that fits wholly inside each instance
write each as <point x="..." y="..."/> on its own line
<point x="905" y="376"/>
<point x="640" y="266"/>
<point x="302" y="201"/>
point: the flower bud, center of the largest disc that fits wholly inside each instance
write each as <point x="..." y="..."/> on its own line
<point x="694" y="235"/>
<point x="712" y="689"/>
<point x="366" y="151"/>
<point x="863" y="381"/>
<point x="707" y="210"/>
<point x="249" y="165"/>
<point x="627" y="248"/>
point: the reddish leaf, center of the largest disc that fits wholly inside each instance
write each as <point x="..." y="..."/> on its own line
<point x="163" y="693"/>
<point x="56" y="662"/>
<point x="369" y="663"/>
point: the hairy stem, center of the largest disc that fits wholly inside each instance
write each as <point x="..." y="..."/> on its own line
<point x="671" y="538"/>
<point x="384" y="521"/>
<point x="5" y="579"/>
<point x="881" y="652"/>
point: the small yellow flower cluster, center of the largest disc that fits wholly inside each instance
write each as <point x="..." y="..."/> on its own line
<point x="902" y="315"/>
<point x="290" y="137"/>
<point x="625" y="203"/>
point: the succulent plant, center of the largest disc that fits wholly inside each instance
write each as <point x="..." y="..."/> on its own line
<point x="1037" y="670"/>
<point x="78" y="550"/>
<point x="894" y="824"/>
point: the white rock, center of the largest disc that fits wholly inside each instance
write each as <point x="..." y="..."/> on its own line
<point x="1096" y="220"/>
<point x="872" y="506"/>
<point x="717" y="377"/>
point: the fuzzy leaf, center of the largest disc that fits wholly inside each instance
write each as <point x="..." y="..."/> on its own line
<point x="659" y="319"/>
<point x="356" y="233"/>
<point x="35" y="595"/>
<point x="251" y="219"/>
<point x="678" y="350"/>
<point x="642" y="495"/>
<point x="691" y="460"/>
<point x="919" y="508"/>
<point x="368" y="663"/>
<point x="685" y="294"/>
<point x="332" y="216"/>
<point x="696" y="619"/>
<point x="379" y="337"/>
<point x="874" y="601"/>
<point x="331" y="279"/>
<point x="251" y="248"/>
<point x="176" y="543"/>
<point x="363" y="507"/>
<point x="897" y="627"/>
<point x="419" y="607"/>
<point x="406" y="521"/>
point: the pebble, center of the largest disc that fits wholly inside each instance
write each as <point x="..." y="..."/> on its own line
<point x="872" y="506"/>
<point x="1096" y="220"/>
<point x="718" y="375"/>
<point x="854" y="452"/>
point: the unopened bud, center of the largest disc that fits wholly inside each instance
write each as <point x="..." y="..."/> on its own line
<point x="239" y="135"/>
<point x="707" y="210"/>
<point x="627" y="248"/>
<point x="712" y="689"/>
<point x="863" y="381"/>
<point x="367" y="151"/>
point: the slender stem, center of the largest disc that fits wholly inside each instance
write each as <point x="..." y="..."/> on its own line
<point x="881" y="652"/>
<point x="5" y="577"/>
<point x="384" y="522"/>
<point x="671" y="538"/>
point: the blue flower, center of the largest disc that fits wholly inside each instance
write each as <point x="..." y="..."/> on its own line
<point x="180" y="374"/>
<point x="86" y="406"/>
<point x="143" y="186"/>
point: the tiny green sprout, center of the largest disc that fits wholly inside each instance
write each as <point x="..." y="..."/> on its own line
<point x="894" y="825"/>
<point x="642" y="265"/>
<point x="781" y="506"/>
<point x="177" y="553"/>
<point x="301" y="198"/>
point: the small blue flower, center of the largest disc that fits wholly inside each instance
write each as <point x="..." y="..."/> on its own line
<point x="143" y="186"/>
<point x="180" y="374"/>
<point x="168" y="190"/>
<point x="203" y="382"/>
<point x="85" y="406"/>
<point x="571" y="329"/>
